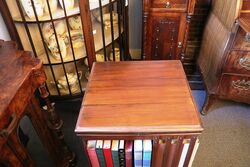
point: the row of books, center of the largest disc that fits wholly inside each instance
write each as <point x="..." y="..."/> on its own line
<point x="119" y="153"/>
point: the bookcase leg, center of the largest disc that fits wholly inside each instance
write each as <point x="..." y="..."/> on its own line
<point x="210" y="99"/>
<point x="55" y="124"/>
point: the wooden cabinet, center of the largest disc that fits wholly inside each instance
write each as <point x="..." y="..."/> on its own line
<point x="68" y="36"/>
<point x="225" y="57"/>
<point x="166" y="28"/>
<point x="173" y="30"/>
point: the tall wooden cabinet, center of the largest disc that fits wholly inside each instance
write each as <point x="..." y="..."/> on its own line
<point x="68" y="36"/>
<point x="165" y="28"/>
<point x="224" y="59"/>
<point x="172" y="30"/>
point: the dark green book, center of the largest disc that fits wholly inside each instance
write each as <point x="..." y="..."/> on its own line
<point x="99" y="153"/>
<point x="115" y="155"/>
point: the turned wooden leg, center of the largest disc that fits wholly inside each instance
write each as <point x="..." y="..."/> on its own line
<point x="55" y="124"/>
<point x="210" y="99"/>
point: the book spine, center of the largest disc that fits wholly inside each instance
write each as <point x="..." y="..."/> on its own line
<point x="108" y="157"/>
<point x="147" y="158"/>
<point x="138" y="159"/>
<point x="122" y="158"/>
<point x="115" y="158"/>
<point x="100" y="156"/>
<point x="128" y="155"/>
<point x="93" y="158"/>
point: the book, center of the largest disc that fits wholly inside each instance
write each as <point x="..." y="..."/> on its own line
<point x="92" y="154"/>
<point x="115" y="156"/>
<point x="122" y="153"/>
<point x="128" y="153"/>
<point x="196" y="146"/>
<point x="99" y="153"/>
<point x="107" y="153"/>
<point x="147" y="153"/>
<point x="138" y="153"/>
<point x="186" y="143"/>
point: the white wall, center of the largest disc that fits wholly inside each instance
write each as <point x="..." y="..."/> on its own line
<point x="3" y="30"/>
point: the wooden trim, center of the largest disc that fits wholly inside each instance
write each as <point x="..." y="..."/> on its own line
<point x="88" y="31"/>
<point x="10" y="24"/>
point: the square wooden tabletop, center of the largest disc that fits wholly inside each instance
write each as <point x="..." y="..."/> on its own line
<point x="138" y="96"/>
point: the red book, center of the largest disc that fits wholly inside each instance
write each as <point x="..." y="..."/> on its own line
<point x="92" y="153"/>
<point x="128" y="153"/>
<point x="107" y="153"/>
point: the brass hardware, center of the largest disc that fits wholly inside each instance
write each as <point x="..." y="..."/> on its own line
<point x="179" y="45"/>
<point x="247" y="37"/>
<point x="174" y="141"/>
<point x="186" y="141"/>
<point x="245" y="62"/>
<point x="241" y="85"/>
<point x="168" y="5"/>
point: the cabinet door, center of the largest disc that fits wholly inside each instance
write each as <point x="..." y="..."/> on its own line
<point x="166" y="32"/>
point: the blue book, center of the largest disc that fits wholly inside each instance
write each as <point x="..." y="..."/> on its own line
<point x="138" y="153"/>
<point x="147" y="153"/>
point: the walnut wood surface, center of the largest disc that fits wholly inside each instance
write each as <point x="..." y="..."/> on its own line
<point x="145" y="97"/>
<point x="17" y="68"/>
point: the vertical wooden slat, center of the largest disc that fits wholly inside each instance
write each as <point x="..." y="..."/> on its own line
<point x="190" y="150"/>
<point x="88" y="31"/>
<point x="178" y="151"/>
<point x="158" y="152"/>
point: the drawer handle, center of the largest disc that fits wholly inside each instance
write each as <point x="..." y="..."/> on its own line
<point x="245" y="63"/>
<point x="179" y="45"/>
<point x="247" y="37"/>
<point x="168" y="5"/>
<point x="241" y="85"/>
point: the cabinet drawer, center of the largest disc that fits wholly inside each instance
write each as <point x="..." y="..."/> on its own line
<point x="238" y="62"/>
<point x="235" y="87"/>
<point x="169" y="4"/>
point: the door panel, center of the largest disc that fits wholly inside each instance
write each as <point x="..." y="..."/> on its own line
<point x="166" y="34"/>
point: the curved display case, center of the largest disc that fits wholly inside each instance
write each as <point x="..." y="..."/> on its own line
<point x="68" y="36"/>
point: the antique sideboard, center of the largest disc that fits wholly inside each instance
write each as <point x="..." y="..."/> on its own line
<point x="224" y="59"/>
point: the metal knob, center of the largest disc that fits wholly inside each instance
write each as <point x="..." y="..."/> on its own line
<point x="168" y="5"/>
<point x="179" y="44"/>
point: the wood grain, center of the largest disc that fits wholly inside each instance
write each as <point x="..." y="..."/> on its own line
<point x="127" y="97"/>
